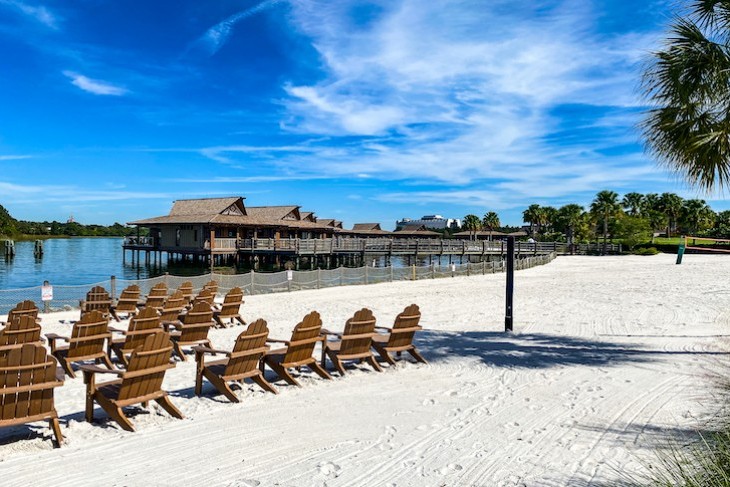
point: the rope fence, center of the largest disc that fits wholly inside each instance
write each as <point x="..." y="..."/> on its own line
<point x="68" y="297"/>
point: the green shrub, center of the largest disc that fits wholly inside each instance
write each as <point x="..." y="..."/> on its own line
<point x="646" y="251"/>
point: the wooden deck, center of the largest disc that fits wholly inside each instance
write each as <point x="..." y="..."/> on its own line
<point x="364" y="246"/>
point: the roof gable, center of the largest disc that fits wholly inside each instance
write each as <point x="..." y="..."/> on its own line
<point x="232" y="205"/>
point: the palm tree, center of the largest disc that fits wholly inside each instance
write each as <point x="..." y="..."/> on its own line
<point x="688" y="86"/>
<point x="605" y="206"/>
<point x="697" y="215"/>
<point x="633" y="202"/>
<point x="548" y="214"/>
<point x="532" y="216"/>
<point x="472" y="223"/>
<point x="567" y="219"/>
<point x="671" y="205"/>
<point x="491" y="221"/>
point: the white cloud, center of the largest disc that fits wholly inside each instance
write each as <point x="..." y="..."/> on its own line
<point x="14" y="157"/>
<point x="217" y="36"/>
<point x="94" y="86"/>
<point x="39" y="13"/>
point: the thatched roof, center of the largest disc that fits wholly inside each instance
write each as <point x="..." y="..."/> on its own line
<point x="207" y="206"/>
<point x="308" y="216"/>
<point x="274" y="213"/>
<point x="415" y="231"/>
<point x="480" y="233"/>
<point x="366" y="226"/>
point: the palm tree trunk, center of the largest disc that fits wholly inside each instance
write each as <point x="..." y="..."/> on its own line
<point x="605" y="234"/>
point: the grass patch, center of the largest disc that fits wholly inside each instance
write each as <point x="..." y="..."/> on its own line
<point x="645" y="251"/>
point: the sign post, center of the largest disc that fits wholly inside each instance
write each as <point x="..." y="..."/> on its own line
<point x="510" y="283"/>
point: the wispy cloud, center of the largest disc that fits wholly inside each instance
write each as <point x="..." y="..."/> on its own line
<point x="14" y="157"/>
<point x="94" y="86"/>
<point x="38" y="13"/>
<point x="217" y="36"/>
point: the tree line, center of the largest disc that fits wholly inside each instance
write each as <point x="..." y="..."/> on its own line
<point x="12" y="228"/>
<point x="634" y="218"/>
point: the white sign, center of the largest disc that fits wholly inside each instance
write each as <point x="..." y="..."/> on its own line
<point x="289" y="275"/>
<point x="453" y="267"/>
<point x="47" y="293"/>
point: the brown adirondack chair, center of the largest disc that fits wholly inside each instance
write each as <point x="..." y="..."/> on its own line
<point x="173" y="307"/>
<point x="141" y="382"/>
<point x="298" y="351"/>
<point x="213" y="286"/>
<point x="127" y="302"/>
<point x="230" y="309"/>
<point x="24" y="329"/>
<point x="27" y="379"/>
<point x="193" y="330"/>
<point x="206" y="296"/>
<point x="157" y="296"/>
<point x="145" y="323"/>
<point x="87" y="342"/>
<point x="186" y="288"/>
<point x="23" y="308"/>
<point x="97" y="299"/>
<point x="242" y="363"/>
<point x="399" y="338"/>
<point x="354" y="343"/>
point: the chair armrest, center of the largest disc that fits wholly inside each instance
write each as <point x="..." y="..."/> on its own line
<point x="274" y="340"/>
<point x="204" y="349"/>
<point x="54" y="336"/>
<point x="93" y="369"/>
<point x="324" y="331"/>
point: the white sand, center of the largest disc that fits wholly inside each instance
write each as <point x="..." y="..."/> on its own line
<point x="609" y="356"/>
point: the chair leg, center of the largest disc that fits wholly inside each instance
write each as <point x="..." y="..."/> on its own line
<point x="338" y="364"/>
<point x="384" y="355"/>
<point x="264" y="384"/>
<point x="108" y="362"/>
<point x="198" y="382"/>
<point x="56" y="427"/>
<point x="240" y="320"/>
<point x="167" y="405"/>
<point x="417" y="356"/>
<point x="67" y="368"/>
<point x="317" y="369"/>
<point x="374" y="363"/>
<point x="178" y="351"/>
<point x="283" y="373"/>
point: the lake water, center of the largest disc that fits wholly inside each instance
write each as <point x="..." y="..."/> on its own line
<point x="80" y="261"/>
<point x="70" y="261"/>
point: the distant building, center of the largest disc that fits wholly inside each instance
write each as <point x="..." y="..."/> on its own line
<point x="436" y="222"/>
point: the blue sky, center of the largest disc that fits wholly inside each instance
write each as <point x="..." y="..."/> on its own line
<point x="357" y="110"/>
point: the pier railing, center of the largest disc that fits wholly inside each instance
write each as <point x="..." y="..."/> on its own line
<point x="68" y="297"/>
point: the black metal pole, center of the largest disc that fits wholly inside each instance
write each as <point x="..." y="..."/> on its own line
<point x="510" y="282"/>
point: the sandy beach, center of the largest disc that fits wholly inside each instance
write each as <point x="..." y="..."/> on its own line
<point x="610" y="356"/>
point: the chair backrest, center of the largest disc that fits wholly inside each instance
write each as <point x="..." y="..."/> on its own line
<point x="187" y="290"/>
<point x="405" y="326"/>
<point x="213" y="286"/>
<point x="196" y="323"/>
<point x="143" y="324"/>
<point x="173" y="306"/>
<point x="97" y="299"/>
<point x="127" y="302"/>
<point x="88" y="335"/>
<point x="157" y="296"/>
<point x="23" y="308"/>
<point x="359" y="332"/>
<point x="249" y="348"/>
<point x="232" y="302"/>
<point x="22" y="330"/>
<point x="147" y="367"/>
<point x="27" y="379"/>
<point x="303" y="339"/>
<point x="206" y="296"/>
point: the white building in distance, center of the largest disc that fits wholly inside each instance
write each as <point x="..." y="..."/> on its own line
<point x="436" y="222"/>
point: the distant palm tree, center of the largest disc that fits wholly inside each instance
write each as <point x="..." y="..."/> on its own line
<point x="671" y="205"/>
<point x="532" y="216"/>
<point x="491" y="221"/>
<point x="472" y="223"/>
<point x="605" y="206"/>
<point x="688" y="86"/>
<point x="633" y="202"/>
<point x="548" y="214"/>
<point x="567" y="219"/>
<point x="696" y="215"/>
